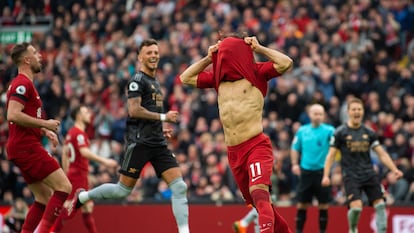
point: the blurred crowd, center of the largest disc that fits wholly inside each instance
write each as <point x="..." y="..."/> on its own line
<point x="340" y="49"/>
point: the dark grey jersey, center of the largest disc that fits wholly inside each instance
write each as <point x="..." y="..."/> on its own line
<point x="148" y="132"/>
<point x="355" y="146"/>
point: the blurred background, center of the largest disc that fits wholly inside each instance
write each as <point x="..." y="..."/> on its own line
<point x="340" y="49"/>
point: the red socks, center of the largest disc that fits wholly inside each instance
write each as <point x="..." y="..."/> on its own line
<point x="60" y="220"/>
<point x="89" y="222"/>
<point x="53" y="209"/>
<point x="33" y="217"/>
<point x="281" y="225"/>
<point x="261" y="199"/>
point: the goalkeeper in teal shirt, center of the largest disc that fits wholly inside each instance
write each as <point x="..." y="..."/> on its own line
<point x="311" y="145"/>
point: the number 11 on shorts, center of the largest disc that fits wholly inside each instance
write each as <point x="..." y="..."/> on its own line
<point x="255" y="171"/>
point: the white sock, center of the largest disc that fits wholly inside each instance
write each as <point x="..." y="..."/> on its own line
<point x="183" y="229"/>
<point x="246" y="220"/>
<point x="83" y="197"/>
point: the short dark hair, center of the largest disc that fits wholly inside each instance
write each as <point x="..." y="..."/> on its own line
<point x="240" y="35"/>
<point x="355" y="100"/>
<point x="75" y="112"/>
<point x="147" y="42"/>
<point x="17" y="52"/>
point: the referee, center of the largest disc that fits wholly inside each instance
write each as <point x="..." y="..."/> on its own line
<point x="311" y="145"/>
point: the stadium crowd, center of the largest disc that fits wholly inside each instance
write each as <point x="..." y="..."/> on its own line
<point x="340" y="49"/>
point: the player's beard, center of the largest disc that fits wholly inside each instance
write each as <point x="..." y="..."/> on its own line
<point x="36" y="68"/>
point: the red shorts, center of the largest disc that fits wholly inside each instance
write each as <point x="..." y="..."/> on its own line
<point x="77" y="182"/>
<point x="254" y="156"/>
<point x="35" y="163"/>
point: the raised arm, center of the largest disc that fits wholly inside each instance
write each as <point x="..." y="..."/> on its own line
<point x="281" y="62"/>
<point x="189" y="76"/>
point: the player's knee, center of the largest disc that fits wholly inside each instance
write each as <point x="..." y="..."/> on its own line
<point x="380" y="207"/>
<point x="121" y="191"/>
<point x="178" y="187"/>
<point x="67" y="187"/>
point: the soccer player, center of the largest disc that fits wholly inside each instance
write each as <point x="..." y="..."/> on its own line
<point x="241" y="84"/>
<point x="75" y="162"/>
<point x="146" y="140"/>
<point x="311" y="144"/>
<point x="355" y="140"/>
<point x="41" y="172"/>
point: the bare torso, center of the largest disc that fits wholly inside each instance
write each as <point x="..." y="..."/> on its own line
<point x="241" y="107"/>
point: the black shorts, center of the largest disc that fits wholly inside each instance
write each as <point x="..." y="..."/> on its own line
<point x="310" y="186"/>
<point x="371" y="187"/>
<point x="137" y="155"/>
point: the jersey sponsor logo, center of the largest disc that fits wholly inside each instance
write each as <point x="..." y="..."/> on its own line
<point x="21" y="90"/>
<point x="133" y="86"/>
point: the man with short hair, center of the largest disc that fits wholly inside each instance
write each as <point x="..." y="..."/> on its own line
<point x="75" y="163"/>
<point x="27" y="125"/>
<point x="146" y="141"/>
<point x="355" y="141"/>
<point x="308" y="153"/>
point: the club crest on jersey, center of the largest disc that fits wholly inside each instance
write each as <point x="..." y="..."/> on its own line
<point x="21" y="90"/>
<point x="365" y="136"/>
<point x="133" y="86"/>
<point x="349" y="137"/>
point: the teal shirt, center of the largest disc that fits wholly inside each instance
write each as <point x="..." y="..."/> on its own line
<point x="313" y="145"/>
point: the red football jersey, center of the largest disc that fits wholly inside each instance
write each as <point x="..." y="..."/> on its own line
<point x="23" y="91"/>
<point x="75" y="140"/>
<point x="234" y="61"/>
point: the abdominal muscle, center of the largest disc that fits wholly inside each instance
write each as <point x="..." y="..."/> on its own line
<point x="241" y="107"/>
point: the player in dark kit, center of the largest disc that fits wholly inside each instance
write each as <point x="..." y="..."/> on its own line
<point x="355" y="141"/>
<point x="41" y="172"/>
<point x="146" y="140"/>
<point x="241" y="84"/>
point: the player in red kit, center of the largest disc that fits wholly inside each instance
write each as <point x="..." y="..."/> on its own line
<point x="75" y="163"/>
<point x="241" y="84"/>
<point x="41" y="172"/>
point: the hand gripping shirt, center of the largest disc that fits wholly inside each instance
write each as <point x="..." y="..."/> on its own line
<point x="234" y="61"/>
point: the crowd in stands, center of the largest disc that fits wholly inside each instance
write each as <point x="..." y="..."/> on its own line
<point x="340" y="48"/>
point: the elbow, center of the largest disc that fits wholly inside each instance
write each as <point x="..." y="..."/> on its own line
<point x="11" y="116"/>
<point x="184" y="79"/>
<point x="287" y="65"/>
<point x="283" y="66"/>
